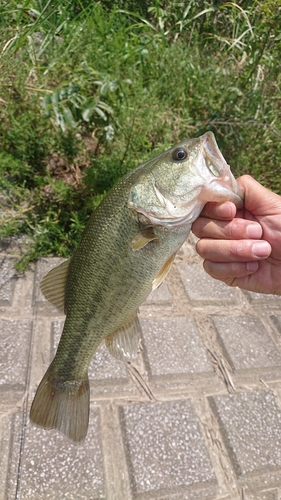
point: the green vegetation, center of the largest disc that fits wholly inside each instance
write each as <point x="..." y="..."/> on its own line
<point x="89" y="90"/>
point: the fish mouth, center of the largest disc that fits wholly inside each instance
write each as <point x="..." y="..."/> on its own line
<point x="223" y="183"/>
<point x="225" y="190"/>
<point x="179" y="212"/>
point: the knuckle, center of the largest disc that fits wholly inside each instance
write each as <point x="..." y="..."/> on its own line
<point x="240" y="249"/>
<point x="235" y="229"/>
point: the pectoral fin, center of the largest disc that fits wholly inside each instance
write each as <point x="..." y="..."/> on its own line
<point x="143" y="238"/>
<point x="164" y="271"/>
<point x="53" y="285"/>
<point x="123" y="343"/>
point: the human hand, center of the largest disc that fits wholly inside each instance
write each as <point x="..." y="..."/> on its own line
<point x="243" y="249"/>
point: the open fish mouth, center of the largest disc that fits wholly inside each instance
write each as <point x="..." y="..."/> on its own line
<point x="222" y="182"/>
<point x="177" y="205"/>
<point x="178" y="211"/>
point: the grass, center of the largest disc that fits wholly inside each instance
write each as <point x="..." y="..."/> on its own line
<point x="89" y="90"/>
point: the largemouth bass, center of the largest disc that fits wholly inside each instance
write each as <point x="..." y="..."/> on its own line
<point x="126" y="251"/>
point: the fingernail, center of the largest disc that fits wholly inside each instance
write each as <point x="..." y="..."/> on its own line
<point x="261" y="249"/>
<point x="254" y="231"/>
<point x="252" y="266"/>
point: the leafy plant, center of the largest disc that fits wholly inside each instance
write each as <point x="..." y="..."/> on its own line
<point x="90" y="90"/>
<point x="70" y="106"/>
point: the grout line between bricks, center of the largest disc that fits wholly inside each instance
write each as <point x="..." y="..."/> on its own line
<point x="25" y="407"/>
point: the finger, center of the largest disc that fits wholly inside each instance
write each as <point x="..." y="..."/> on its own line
<point x="233" y="250"/>
<point x="229" y="272"/>
<point x="258" y="199"/>
<point x="233" y="230"/>
<point x="223" y="211"/>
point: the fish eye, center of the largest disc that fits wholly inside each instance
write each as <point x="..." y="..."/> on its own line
<point x="179" y="154"/>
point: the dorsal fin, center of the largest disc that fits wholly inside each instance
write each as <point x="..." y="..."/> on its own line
<point x="53" y="285"/>
<point x="164" y="271"/>
<point x="123" y="342"/>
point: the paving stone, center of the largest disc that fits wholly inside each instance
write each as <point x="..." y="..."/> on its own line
<point x="54" y="468"/>
<point x="268" y="495"/>
<point x="263" y="298"/>
<point x="199" y="286"/>
<point x="15" y="335"/>
<point x="164" y="454"/>
<point x="263" y="495"/>
<point x="160" y="295"/>
<point x="251" y="428"/>
<point x="10" y="448"/>
<point x="276" y="319"/>
<point x="103" y="366"/>
<point x="246" y="342"/>
<point x="165" y="449"/>
<point x="8" y="277"/>
<point x="173" y="346"/>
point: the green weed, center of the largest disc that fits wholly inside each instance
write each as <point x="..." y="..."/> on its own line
<point x="90" y="90"/>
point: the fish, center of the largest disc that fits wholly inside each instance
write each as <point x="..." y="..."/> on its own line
<point x="126" y="251"/>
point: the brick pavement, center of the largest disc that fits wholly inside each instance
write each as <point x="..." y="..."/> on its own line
<point x="197" y="415"/>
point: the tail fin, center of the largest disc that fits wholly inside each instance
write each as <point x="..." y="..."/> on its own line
<point x="63" y="406"/>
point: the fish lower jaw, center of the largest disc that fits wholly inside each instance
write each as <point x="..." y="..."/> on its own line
<point x="170" y="222"/>
<point x="219" y="193"/>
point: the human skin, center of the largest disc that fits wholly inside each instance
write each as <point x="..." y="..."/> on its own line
<point x="243" y="248"/>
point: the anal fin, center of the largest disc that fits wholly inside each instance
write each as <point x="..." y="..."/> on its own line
<point x="123" y="343"/>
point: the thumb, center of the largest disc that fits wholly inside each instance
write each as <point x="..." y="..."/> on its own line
<point x="258" y="199"/>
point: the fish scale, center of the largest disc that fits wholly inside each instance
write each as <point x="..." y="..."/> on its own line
<point x="126" y="250"/>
